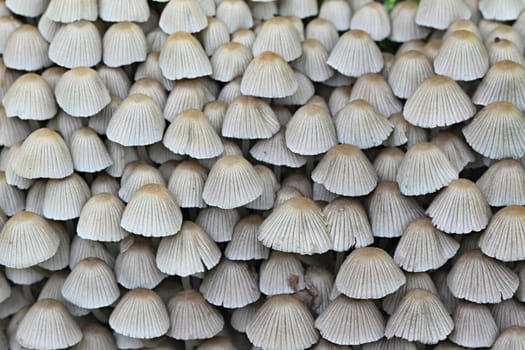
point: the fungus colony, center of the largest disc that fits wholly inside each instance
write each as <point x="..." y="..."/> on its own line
<point x="230" y="174"/>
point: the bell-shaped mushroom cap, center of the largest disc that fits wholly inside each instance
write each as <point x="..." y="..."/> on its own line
<point x="439" y="14"/>
<point x="282" y="322"/>
<point x="187" y="94"/>
<point x="359" y="124"/>
<point x="504" y="50"/>
<point x="121" y="10"/>
<point x="96" y="336"/>
<point x="274" y="151"/>
<point x="497" y="131"/>
<point x="424" y="169"/>
<point x="266" y="200"/>
<point x="26" y="49"/>
<point x="67" y="11"/>
<point x="182" y="56"/>
<point x="244" y="244"/>
<point x="323" y="31"/>
<point x="64" y="198"/>
<point x="10" y="177"/>
<point x="369" y="273"/>
<point x="30" y="97"/>
<point x="280" y="36"/>
<point x="348" y="224"/>
<point x="391" y="344"/>
<point x="268" y="75"/>
<point x="194" y="249"/>
<point x="462" y="57"/>
<point x="186" y="183"/>
<point x="231" y="284"/>
<point x="408" y="71"/>
<point x="422" y="247"/>
<point x="27" y="239"/>
<point x="299" y="226"/>
<point x="337" y="12"/>
<point x="351" y="322"/>
<point x="491" y="9"/>
<point x="100" y="219"/>
<point x="512" y="338"/>
<point x="135" y="265"/>
<point x="235" y="14"/>
<point x="281" y="274"/>
<point x="421" y="280"/>
<point x="232" y="182"/>
<point x="373" y="19"/>
<point x="183" y="15"/>
<point x="301" y="9"/>
<point x="312" y="62"/>
<point x="374" y="89"/>
<point x="43" y="154"/>
<point x="387" y="163"/>
<point x="12" y="130"/>
<point x="61" y="258"/>
<point x="438" y="101"/>
<point x="347" y="159"/>
<point x="116" y="81"/>
<point x="242" y="317"/>
<point x="229" y="61"/>
<point x="191" y="133"/>
<point x="76" y="44"/>
<point x="192" y="317"/>
<point x="404" y="27"/>
<point x="137" y="121"/>
<point x="460" y="208"/>
<point x="503" y="82"/>
<point x="152" y="212"/>
<point x="48" y="325"/>
<point x="455" y="148"/>
<point x="503" y="183"/>
<point x="249" y="118"/>
<point x="91" y="285"/>
<point x="504" y="234"/>
<point x="140" y="313"/>
<point x="218" y="223"/>
<point x="355" y="54"/>
<point x="481" y="279"/>
<point x="135" y="175"/>
<point x="474" y="326"/>
<point x="509" y="313"/>
<point x="217" y="33"/>
<point x="390" y="211"/>
<point x="420" y="316"/>
<point x="81" y="93"/>
<point x="88" y="151"/>
<point x="404" y="132"/>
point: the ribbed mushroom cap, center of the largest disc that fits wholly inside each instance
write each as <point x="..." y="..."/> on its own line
<point x="422" y="247"/>
<point x="242" y="317"/>
<point x="137" y="174"/>
<point x="512" y="338"/>
<point x="274" y="151"/>
<point x="319" y="281"/>
<point x="11" y="178"/>
<point x="67" y="11"/>
<point x="231" y="284"/>
<point x="244" y="244"/>
<point x="192" y="317"/>
<point x="88" y="151"/>
<point x="509" y="313"/>
<point x="91" y="285"/>
<point x="268" y="75"/>
<point x="304" y="93"/>
<point x="229" y="61"/>
<point x="137" y="121"/>
<point x="439" y="14"/>
<point x="491" y="9"/>
<point x="152" y="212"/>
<point x="30" y="97"/>
<point x="278" y="35"/>
<point x="408" y="71"/>
<point x="100" y="219"/>
<point x="421" y="317"/>
<point x="387" y="163"/>
<point x="186" y="183"/>
<point x="355" y="54"/>
<point x="374" y="89"/>
<point x="249" y="118"/>
<point x="502" y="82"/>
<point x="218" y="223"/>
<point x="186" y="94"/>
<point x="298" y="225"/>
<point x="348" y="224"/>
<point x="48" y="325"/>
<point x="301" y="9"/>
<point x="194" y="249"/>
<point x="43" y="154"/>
<point x="504" y="234"/>
<point x="27" y="239"/>
<point x="361" y="271"/>
<point x="404" y="25"/>
<point x="121" y="10"/>
<point x="235" y="14"/>
<point x="324" y="31"/>
<point x="217" y="33"/>
<point x="503" y="183"/>
<point x="497" y="131"/>
<point x="462" y="57"/>
<point x="281" y="274"/>
<point x="460" y="208"/>
<point x="455" y="148"/>
<point x="338" y="12"/>
<point x="26" y="49"/>
<point x="404" y="132"/>
<point x="12" y="130"/>
<point x="311" y="131"/>
<point x="391" y="344"/>
<point x="372" y="18"/>
<point x="232" y="182"/>
<point x="336" y="166"/>
<point x="150" y="87"/>
<point x="282" y="322"/>
<point x="438" y="101"/>
<point x="182" y="56"/>
<point x="270" y="185"/>
<point x="421" y="280"/>
<point x="504" y="50"/>
<point x="359" y="124"/>
<point x="424" y="169"/>
<point x="76" y="44"/>
<point x="11" y="198"/>
<point x="183" y="15"/>
<point x="481" y="279"/>
<point x="351" y="322"/>
<point x="474" y="326"/>
<point x="312" y="62"/>
<point x="96" y="336"/>
<point x="140" y="313"/>
<point x="115" y="79"/>
<point x="64" y="198"/>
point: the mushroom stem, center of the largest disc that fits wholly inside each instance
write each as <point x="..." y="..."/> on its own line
<point x="310" y="164"/>
<point x="190" y="344"/>
<point x="186" y="282"/>
<point x="277" y="172"/>
<point x="245" y="146"/>
<point x="143" y="153"/>
<point x="339" y="258"/>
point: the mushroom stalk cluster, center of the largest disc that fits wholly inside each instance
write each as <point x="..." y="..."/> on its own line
<point x="262" y="174"/>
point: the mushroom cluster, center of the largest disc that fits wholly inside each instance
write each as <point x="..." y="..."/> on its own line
<point x="262" y="174"/>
